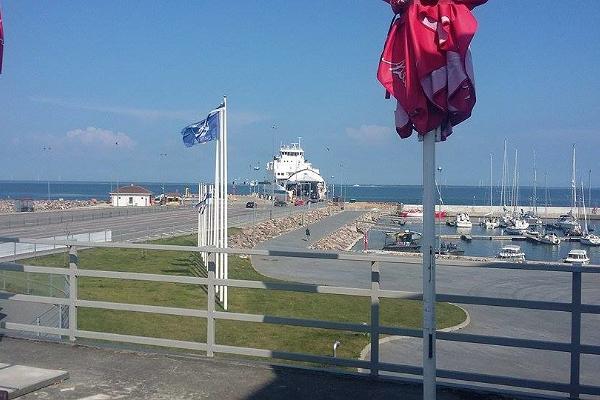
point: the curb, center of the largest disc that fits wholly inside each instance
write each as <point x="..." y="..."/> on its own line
<point x="367" y="349"/>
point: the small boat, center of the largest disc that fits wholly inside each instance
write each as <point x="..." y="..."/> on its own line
<point x="574" y="231"/>
<point x="590" y="240"/>
<point x="414" y="213"/>
<point x="463" y="220"/>
<point x="449" y="248"/>
<point x="518" y="227"/>
<point x="408" y="241"/>
<point x="567" y="222"/>
<point x="511" y="252"/>
<point x="532" y="219"/>
<point x="491" y="223"/>
<point x="417" y="213"/>
<point x="577" y="256"/>
<point x="549" y="238"/>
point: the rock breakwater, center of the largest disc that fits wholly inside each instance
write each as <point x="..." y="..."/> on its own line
<point x="346" y="237"/>
<point x="251" y="236"/>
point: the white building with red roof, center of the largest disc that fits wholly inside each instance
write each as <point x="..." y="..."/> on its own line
<point x="131" y="196"/>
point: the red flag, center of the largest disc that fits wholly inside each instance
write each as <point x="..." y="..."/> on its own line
<point x="426" y="64"/>
<point x="1" y="42"/>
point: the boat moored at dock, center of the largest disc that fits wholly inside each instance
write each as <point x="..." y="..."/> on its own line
<point x="577" y="256"/>
<point x="511" y="252"/>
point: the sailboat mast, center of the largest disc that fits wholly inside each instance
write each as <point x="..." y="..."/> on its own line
<point x="534" y="185"/>
<point x="491" y="184"/>
<point x="546" y="194"/>
<point x="503" y="191"/>
<point x="585" y="225"/>
<point x="573" y="184"/>
<point x="515" y="195"/>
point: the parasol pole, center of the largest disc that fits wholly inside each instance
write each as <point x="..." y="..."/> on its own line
<point x="429" y="365"/>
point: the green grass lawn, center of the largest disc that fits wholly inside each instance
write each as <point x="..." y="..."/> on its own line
<point x="341" y="308"/>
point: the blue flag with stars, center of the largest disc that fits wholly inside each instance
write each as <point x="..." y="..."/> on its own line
<point x="203" y="131"/>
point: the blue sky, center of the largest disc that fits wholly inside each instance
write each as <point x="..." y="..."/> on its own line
<point x="79" y="76"/>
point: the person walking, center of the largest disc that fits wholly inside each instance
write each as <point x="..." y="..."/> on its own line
<point x="307" y="234"/>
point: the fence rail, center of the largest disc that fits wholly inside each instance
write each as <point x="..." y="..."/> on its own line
<point x="375" y="367"/>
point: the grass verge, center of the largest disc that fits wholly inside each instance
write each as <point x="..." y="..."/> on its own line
<point x="340" y="308"/>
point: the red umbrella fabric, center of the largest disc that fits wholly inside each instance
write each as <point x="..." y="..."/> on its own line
<point x="426" y="64"/>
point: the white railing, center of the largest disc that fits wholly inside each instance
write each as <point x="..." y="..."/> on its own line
<point x="375" y="367"/>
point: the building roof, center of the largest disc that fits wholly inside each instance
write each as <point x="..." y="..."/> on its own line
<point x="132" y="189"/>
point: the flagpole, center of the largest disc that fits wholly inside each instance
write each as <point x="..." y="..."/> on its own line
<point x="221" y="255"/>
<point x="429" y="336"/>
<point x="216" y="225"/>
<point x="225" y="211"/>
<point x="200" y="187"/>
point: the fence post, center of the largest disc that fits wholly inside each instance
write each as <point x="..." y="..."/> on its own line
<point x="73" y="261"/>
<point x="374" y="319"/>
<point x="210" y="318"/>
<point x="575" y="330"/>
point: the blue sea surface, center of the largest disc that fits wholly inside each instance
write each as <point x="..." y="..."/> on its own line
<point x="408" y="194"/>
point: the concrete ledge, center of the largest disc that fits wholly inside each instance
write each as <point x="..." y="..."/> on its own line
<point x="18" y="380"/>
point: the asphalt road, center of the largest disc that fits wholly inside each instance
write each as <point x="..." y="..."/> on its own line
<point x="497" y="321"/>
<point x="130" y="224"/>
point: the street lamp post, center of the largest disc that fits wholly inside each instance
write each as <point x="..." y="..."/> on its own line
<point x="46" y="150"/>
<point x="163" y="156"/>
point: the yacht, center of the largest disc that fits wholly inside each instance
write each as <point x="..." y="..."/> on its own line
<point x="549" y="238"/>
<point x="491" y="222"/>
<point x="590" y="240"/>
<point x="577" y="256"/>
<point x="511" y="252"/>
<point x="518" y="227"/>
<point x="567" y="222"/>
<point x="462" y="220"/>
<point x="407" y="241"/>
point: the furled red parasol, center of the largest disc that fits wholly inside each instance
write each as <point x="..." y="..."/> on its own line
<point x="426" y="66"/>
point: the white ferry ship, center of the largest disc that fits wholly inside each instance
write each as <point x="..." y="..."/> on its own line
<point x="296" y="175"/>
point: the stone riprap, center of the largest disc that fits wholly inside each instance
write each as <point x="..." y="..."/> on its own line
<point x="8" y="206"/>
<point x="251" y="236"/>
<point x="346" y="237"/>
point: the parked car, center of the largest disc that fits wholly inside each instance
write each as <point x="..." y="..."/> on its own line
<point x="251" y="204"/>
<point x="299" y="202"/>
<point x="280" y="203"/>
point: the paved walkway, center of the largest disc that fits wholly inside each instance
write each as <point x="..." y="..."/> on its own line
<point x="102" y="374"/>
<point x="496" y="321"/>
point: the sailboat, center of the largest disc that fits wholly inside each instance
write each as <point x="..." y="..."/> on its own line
<point x="588" y="238"/>
<point x="516" y="225"/>
<point x="568" y="222"/>
<point x="531" y="216"/>
<point x="491" y="222"/>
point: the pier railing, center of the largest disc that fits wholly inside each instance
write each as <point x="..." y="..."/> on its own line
<point x="373" y="366"/>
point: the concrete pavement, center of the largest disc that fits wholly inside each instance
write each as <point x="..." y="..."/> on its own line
<point x="102" y="374"/>
<point x="497" y="321"/>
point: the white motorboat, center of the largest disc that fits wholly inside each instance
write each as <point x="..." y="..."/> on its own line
<point x="532" y="219"/>
<point x="511" y="252"/>
<point x="567" y="222"/>
<point x="549" y="238"/>
<point x="463" y="221"/>
<point x="491" y="223"/>
<point x="577" y="256"/>
<point x="518" y="227"/>
<point x="590" y="240"/>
